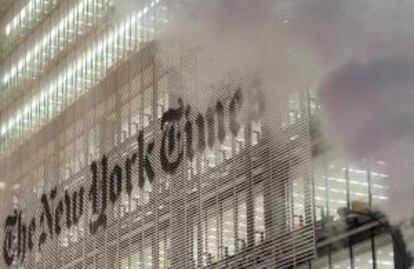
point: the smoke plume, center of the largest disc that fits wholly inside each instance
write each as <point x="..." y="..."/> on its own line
<point x="358" y="53"/>
<point x="369" y="98"/>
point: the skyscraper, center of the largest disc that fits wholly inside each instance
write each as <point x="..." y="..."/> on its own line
<point x="117" y="150"/>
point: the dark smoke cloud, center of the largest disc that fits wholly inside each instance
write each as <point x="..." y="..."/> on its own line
<point x="369" y="98"/>
<point x="371" y="108"/>
<point x="371" y="104"/>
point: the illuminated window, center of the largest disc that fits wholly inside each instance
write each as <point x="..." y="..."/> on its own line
<point x="164" y="248"/>
<point x="379" y="182"/>
<point x="88" y="68"/>
<point x="227" y="229"/>
<point x="226" y="147"/>
<point x="320" y="263"/>
<point x="358" y="185"/>
<point x="363" y="255"/>
<point x="241" y="221"/>
<point x="259" y="224"/>
<point x="55" y="39"/>
<point x="195" y="241"/>
<point x="31" y="13"/>
<point x="256" y="132"/>
<point x="210" y="236"/>
<point x="147" y="254"/>
<point x="337" y="187"/>
<point x="239" y="140"/>
<point x="341" y="259"/>
<point x="320" y="190"/>
<point x="384" y="252"/>
<point x="298" y="202"/>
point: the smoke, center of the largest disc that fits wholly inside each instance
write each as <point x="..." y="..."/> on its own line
<point x="358" y="53"/>
<point x="238" y="37"/>
<point x="124" y="8"/>
<point x="369" y="97"/>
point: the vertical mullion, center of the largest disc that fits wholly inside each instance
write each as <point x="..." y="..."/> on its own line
<point x="369" y="179"/>
<point x="351" y="252"/>
<point x="373" y="249"/>
<point x="348" y="201"/>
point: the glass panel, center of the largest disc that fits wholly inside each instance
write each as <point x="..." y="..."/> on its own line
<point x="363" y="256"/>
<point x="298" y="210"/>
<point x="358" y="186"/>
<point x="195" y="242"/>
<point x="241" y="221"/>
<point x="239" y="140"/>
<point x="147" y="254"/>
<point x="384" y="252"/>
<point x="341" y="259"/>
<point x="256" y="132"/>
<point x="337" y="187"/>
<point x="164" y="250"/>
<point x="228" y="233"/>
<point x="320" y="190"/>
<point x="379" y="182"/>
<point x="211" y="254"/>
<point x="135" y="262"/>
<point x="320" y="263"/>
<point x="259" y="226"/>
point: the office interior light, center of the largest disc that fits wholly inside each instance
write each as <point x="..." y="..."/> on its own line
<point x="32" y="11"/>
<point x="74" y="23"/>
<point x="74" y="79"/>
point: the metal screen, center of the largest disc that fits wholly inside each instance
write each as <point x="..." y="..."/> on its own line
<point x="159" y="165"/>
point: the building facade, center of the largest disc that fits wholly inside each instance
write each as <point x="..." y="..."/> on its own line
<point x="116" y="154"/>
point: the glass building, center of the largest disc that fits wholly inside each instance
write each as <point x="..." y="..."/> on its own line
<point x="109" y="159"/>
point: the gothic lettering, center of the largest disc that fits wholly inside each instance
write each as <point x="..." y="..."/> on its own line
<point x="144" y="163"/>
<point x="108" y="183"/>
<point x="130" y="161"/>
<point x="115" y="184"/>
<point x="189" y="134"/>
<point x="170" y="121"/>
<point x="99" y="218"/>
<point x="9" y="244"/>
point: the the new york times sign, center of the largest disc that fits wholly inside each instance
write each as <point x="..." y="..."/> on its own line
<point x="106" y="184"/>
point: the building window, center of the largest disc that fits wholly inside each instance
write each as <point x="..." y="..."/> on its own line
<point x="320" y="263"/>
<point x="240" y="141"/>
<point x="339" y="184"/>
<point x="241" y="221"/>
<point x="147" y="254"/>
<point x="195" y="243"/>
<point x="256" y="129"/>
<point x="164" y="249"/>
<point x="210" y="236"/>
<point x="259" y="224"/>
<point x="320" y="190"/>
<point x="360" y="255"/>
<point x="341" y="259"/>
<point x="228" y="228"/>
<point x="363" y="255"/>
<point x="298" y="201"/>
<point x="384" y="252"/>
<point x="358" y="185"/>
<point x="378" y="178"/>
